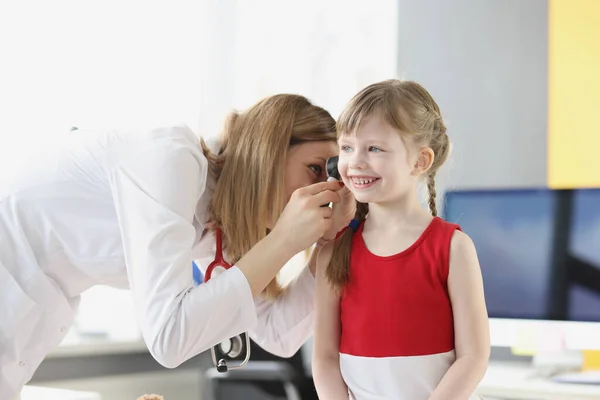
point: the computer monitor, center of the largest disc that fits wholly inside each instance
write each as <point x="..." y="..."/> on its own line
<point x="539" y="251"/>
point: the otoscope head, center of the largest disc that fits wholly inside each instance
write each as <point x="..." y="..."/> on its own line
<point x="332" y="168"/>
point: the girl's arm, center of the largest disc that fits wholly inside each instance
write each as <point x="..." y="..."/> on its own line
<point x="326" y="357"/>
<point x="471" y="326"/>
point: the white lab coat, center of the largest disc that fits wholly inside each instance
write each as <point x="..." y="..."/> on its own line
<point x="126" y="210"/>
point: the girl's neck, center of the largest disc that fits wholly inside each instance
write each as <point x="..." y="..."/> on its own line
<point x="405" y="211"/>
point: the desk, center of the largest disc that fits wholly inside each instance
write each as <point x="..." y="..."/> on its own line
<point x="97" y="347"/>
<point x="42" y="393"/>
<point x="514" y="380"/>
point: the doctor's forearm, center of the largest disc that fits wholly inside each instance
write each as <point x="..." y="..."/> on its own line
<point x="285" y="324"/>
<point x="262" y="263"/>
<point x="177" y="328"/>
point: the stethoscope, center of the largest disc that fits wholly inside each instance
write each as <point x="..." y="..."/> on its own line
<point x="233" y="347"/>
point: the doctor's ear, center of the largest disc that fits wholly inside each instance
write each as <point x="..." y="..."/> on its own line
<point x="424" y="161"/>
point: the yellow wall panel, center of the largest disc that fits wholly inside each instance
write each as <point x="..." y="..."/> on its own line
<point x="574" y="94"/>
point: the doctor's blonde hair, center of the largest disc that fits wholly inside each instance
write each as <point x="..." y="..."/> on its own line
<point x="249" y="168"/>
<point x="409" y="109"/>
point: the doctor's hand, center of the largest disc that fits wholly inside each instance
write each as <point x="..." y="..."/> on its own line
<point x="343" y="212"/>
<point x="304" y="220"/>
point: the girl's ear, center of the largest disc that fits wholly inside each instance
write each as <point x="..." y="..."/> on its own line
<point x="424" y="161"/>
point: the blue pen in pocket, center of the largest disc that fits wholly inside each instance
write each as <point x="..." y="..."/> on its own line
<point x="197" y="274"/>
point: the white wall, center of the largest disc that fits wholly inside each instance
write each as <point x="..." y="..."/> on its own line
<point x="485" y="63"/>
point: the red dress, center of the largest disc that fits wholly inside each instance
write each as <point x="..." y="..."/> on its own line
<point x="397" y="331"/>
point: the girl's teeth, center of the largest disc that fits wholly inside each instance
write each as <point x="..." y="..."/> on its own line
<point x="363" y="181"/>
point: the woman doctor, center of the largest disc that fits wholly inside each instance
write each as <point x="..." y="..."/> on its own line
<point x="132" y="210"/>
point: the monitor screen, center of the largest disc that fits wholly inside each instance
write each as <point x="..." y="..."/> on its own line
<point x="513" y="231"/>
<point x="584" y="245"/>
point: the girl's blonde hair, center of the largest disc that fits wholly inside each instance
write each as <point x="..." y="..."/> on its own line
<point x="410" y="109"/>
<point x="249" y="168"/>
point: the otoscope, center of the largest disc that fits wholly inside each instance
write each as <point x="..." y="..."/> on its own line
<point x="332" y="168"/>
<point x="332" y="172"/>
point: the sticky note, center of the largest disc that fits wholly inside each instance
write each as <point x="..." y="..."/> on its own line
<point x="526" y="342"/>
<point x="532" y="340"/>
<point x="552" y="340"/>
<point x="591" y="360"/>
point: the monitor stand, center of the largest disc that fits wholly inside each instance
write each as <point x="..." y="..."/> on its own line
<point x="565" y="367"/>
<point x="547" y="364"/>
<point x="552" y="355"/>
<point x="556" y="359"/>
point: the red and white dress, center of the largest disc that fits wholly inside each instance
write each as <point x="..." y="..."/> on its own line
<point x="397" y="338"/>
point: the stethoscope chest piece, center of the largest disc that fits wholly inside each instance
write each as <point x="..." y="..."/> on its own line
<point x="231" y="349"/>
<point x="237" y="347"/>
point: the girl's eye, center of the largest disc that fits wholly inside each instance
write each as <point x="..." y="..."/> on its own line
<point x="374" y="149"/>
<point x="317" y="169"/>
<point x="345" y="148"/>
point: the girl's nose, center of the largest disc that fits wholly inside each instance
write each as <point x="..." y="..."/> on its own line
<point x="357" y="161"/>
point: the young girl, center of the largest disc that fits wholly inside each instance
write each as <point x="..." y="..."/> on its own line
<point x="400" y="309"/>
